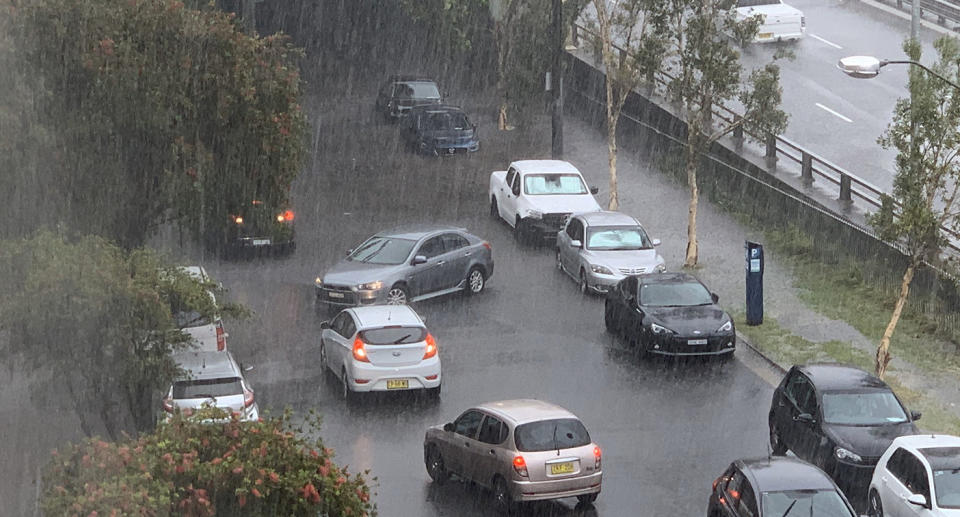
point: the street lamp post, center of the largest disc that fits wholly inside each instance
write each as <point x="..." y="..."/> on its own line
<point x="868" y="67"/>
<point x="556" y="120"/>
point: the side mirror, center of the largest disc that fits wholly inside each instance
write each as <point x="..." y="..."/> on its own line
<point x="714" y="297"/>
<point x="918" y="500"/>
<point x="915" y="415"/>
<point x="656" y="242"/>
<point x="247" y="368"/>
<point x="576" y="244"/>
<point x="324" y="325"/>
<point x="419" y="259"/>
<point x="349" y="251"/>
<point x="448" y="427"/>
<point x="594" y="190"/>
<point x="805" y="418"/>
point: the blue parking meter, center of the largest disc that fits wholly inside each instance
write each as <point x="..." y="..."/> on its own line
<point x="754" y="256"/>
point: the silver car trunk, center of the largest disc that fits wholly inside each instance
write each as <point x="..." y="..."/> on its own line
<point x="396" y="355"/>
<point x="233" y="403"/>
<point x="569" y="463"/>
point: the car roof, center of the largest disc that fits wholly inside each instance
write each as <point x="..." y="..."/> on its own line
<point x="915" y="442"/>
<point x="383" y="315"/>
<point x="521" y="411"/>
<point x="435" y="108"/>
<point x="779" y="473"/>
<point x="409" y="78"/>
<point x="207" y="365"/>
<point x="666" y="278"/>
<point x="543" y="166"/>
<point x="416" y="232"/>
<point x="607" y="217"/>
<point x="837" y="376"/>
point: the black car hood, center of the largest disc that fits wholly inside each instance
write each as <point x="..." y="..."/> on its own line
<point x="685" y="320"/>
<point x="867" y="441"/>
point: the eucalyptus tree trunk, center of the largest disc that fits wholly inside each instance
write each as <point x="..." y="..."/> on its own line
<point x="883" y="350"/>
<point x="691" y="167"/>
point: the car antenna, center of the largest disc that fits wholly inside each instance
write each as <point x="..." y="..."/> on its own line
<point x="769" y="453"/>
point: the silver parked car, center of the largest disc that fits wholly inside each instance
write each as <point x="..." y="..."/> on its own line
<point x="599" y="249"/>
<point x="214" y="379"/>
<point x="408" y="264"/>
<point x="523" y="450"/>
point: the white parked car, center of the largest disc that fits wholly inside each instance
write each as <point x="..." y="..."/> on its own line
<point x="599" y="249"/>
<point x="918" y="475"/>
<point x="380" y="348"/>
<point x="780" y="21"/>
<point x="213" y="379"/>
<point x="207" y="334"/>
<point x="535" y="197"/>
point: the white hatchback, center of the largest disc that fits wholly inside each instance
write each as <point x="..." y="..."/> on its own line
<point x="917" y="475"/>
<point x="380" y="348"/>
<point x="779" y="21"/>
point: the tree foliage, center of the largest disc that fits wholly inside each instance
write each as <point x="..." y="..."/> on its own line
<point x="98" y="319"/>
<point x="199" y="469"/>
<point x="156" y="112"/>
<point x="925" y="131"/>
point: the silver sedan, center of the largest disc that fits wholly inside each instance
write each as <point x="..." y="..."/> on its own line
<point x="407" y="265"/>
<point x="598" y="249"/>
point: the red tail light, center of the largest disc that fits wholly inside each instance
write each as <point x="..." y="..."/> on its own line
<point x="168" y="405"/>
<point x="288" y="215"/>
<point x="359" y="352"/>
<point x="221" y="338"/>
<point x="520" y="465"/>
<point x="247" y="398"/>
<point x="487" y="245"/>
<point x="597" y="456"/>
<point x="431" y="349"/>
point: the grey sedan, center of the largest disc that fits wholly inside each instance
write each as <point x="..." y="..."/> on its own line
<point x="406" y="265"/>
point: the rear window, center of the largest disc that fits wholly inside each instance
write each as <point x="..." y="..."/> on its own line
<point x="206" y="388"/>
<point x="548" y="435"/>
<point x="187" y="319"/>
<point x="393" y="335"/>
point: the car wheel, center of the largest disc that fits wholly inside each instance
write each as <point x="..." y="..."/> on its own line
<point x="494" y="209"/>
<point x="776" y="442"/>
<point x="519" y="233"/>
<point x="559" y="262"/>
<point x="323" y="358"/>
<point x="502" y="499"/>
<point x="475" y="281"/>
<point x="435" y="467"/>
<point x="874" y="506"/>
<point x="397" y="295"/>
<point x="584" y="287"/>
<point x="588" y="498"/>
<point x="609" y="321"/>
<point x="346" y="393"/>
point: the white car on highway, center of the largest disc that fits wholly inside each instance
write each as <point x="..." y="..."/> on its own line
<point x="535" y="197"/>
<point x="917" y="475"/>
<point x="779" y="21"/>
<point x="380" y="348"/>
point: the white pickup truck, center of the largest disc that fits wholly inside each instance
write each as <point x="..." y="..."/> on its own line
<point x="535" y="197"/>
<point x="779" y="21"/>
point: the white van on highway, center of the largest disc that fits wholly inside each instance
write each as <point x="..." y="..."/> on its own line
<point x="780" y="21"/>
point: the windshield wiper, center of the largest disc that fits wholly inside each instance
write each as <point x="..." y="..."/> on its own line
<point x="555" y="444"/>
<point x="375" y="252"/>
<point x="401" y="340"/>
<point x="789" y="508"/>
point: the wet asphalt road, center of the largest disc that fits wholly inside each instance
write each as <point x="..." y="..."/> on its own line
<point x="667" y="428"/>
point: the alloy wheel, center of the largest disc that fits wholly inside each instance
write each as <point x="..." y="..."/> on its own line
<point x="583" y="282"/>
<point x="323" y="358"/>
<point x="501" y="495"/>
<point x="494" y="211"/>
<point x="435" y="466"/>
<point x="874" y="507"/>
<point x="397" y="296"/>
<point x="475" y="281"/>
<point x="346" y="386"/>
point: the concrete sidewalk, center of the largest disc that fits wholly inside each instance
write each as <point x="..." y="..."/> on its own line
<point x="660" y="202"/>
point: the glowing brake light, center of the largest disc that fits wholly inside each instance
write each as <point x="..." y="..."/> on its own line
<point x="431" y="348"/>
<point x="221" y="338"/>
<point x="288" y="215"/>
<point x="359" y="352"/>
<point x="238" y="219"/>
<point x="520" y="465"/>
<point x="487" y="245"/>
<point x="597" y="456"/>
<point x="247" y="398"/>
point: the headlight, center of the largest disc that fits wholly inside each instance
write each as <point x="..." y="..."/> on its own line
<point x="370" y="286"/>
<point x="657" y="329"/>
<point x="536" y="214"/>
<point x="843" y="454"/>
<point x="726" y="327"/>
<point x="318" y="281"/>
<point x="660" y="268"/>
<point x="600" y="270"/>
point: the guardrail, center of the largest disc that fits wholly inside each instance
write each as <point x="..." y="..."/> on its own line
<point x="850" y="186"/>
<point x="944" y="10"/>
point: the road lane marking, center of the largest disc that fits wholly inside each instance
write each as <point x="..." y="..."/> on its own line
<point x="832" y="44"/>
<point x="828" y="110"/>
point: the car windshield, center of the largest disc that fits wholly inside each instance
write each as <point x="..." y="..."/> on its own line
<point x="821" y="503"/>
<point x="447" y="121"/>
<point x="393" y="335"/>
<point x="674" y="294"/>
<point x="946" y="484"/>
<point x="617" y="238"/>
<point x="548" y="435"/>
<point x="756" y="3"/>
<point x="552" y="184"/>
<point x="417" y="90"/>
<point x="382" y="250"/>
<point x="862" y="408"/>
<point x="207" y="388"/>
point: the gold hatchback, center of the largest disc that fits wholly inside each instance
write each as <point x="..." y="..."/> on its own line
<point x="523" y="450"/>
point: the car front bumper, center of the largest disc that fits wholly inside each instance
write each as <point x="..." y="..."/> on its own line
<point x="674" y="345"/>
<point x="424" y="375"/>
<point x="344" y="296"/>
<point x="556" y="488"/>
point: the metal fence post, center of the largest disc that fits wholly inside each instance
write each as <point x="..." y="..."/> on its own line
<point x="771" y="153"/>
<point x="845" y="188"/>
<point x="806" y="168"/>
<point x="738" y="129"/>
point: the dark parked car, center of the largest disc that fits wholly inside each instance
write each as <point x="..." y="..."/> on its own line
<point x="399" y="93"/>
<point x="258" y="227"/>
<point x="439" y="130"/>
<point x="669" y="314"/>
<point x="839" y="418"/>
<point x="776" y="487"/>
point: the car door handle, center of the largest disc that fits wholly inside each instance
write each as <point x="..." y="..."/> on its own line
<point x="441" y="262"/>
<point x="466" y="444"/>
<point x="493" y="452"/>
<point x="467" y="254"/>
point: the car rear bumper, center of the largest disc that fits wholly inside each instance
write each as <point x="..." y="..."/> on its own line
<point x="556" y="488"/>
<point x="425" y="375"/>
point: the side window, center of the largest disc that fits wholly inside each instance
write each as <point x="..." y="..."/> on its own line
<point x="510" y="174"/>
<point x="570" y="228"/>
<point x="733" y="488"/>
<point x="578" y="230"/>
<point x="431" y="247"/>
<point x="490" y="431"/>
<point x="468" y="423"/>
<point x="916" y="475"/>
<point x="628" y="287"/>
<point x="748" y="501"/>
<point x="453" y="242"/>
<point x="800" y="392"/>
<point x="515" y="186"/>
<point x="349" y="327"/>
<point x="895" y="465"/>
<point x="338" y="322"/>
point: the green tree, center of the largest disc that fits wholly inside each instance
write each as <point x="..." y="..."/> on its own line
<point x="158" y="112"/>
<point x="707" y="72"/>
<point x="98" y="319"/>
<point x="926" y="134"/>
<point x="190" y="468"/>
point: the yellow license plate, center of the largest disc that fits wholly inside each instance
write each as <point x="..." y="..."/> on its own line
<point x="765" y="35"/>
<point x="398" y="384"/>
<point x="561" y="468"/>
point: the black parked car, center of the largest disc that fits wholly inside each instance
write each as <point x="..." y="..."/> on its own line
<point x="258" y="227"/>
<point x="839" y="418"/>
<point x="774" y="487"/>
<point x="399" y="93"/>
<point x="669" y="314"/>
<point x="439" y="130"/>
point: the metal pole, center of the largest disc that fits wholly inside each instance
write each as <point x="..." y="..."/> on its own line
<point x="556" y="149"/>
<point x="915" y="38"/>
